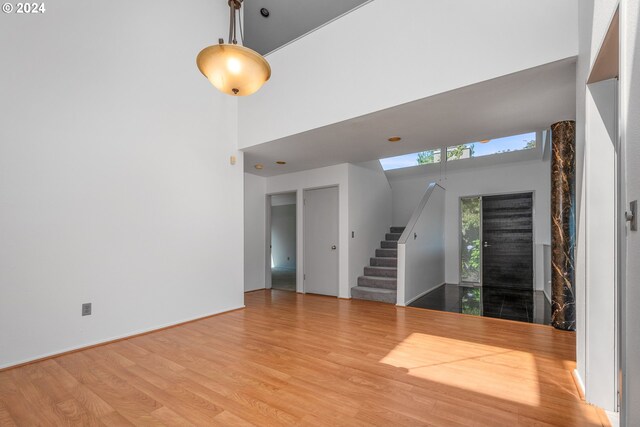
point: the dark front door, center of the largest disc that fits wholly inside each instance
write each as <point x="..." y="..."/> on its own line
<point x="507" y="240"/>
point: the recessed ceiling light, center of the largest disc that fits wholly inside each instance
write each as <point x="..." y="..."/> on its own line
<point x="394" y="139"/>
<point x="264" y="12"/>
<point x="484" y="141"/>
<point x="280" y="162"/>
<point x="258" y="166"/>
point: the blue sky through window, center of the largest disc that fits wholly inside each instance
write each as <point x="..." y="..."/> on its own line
<point x="494" y="146"/>
<point x="500" y="145"/>
<point x="407" y="160"/>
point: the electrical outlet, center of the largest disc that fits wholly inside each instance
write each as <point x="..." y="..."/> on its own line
<point x="86" y="309"/>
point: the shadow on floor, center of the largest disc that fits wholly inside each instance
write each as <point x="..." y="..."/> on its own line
<point x="283" y="279"/>
<point x="518" y="305"/>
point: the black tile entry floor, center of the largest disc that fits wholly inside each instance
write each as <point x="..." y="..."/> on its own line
<point x="523" y="306"/>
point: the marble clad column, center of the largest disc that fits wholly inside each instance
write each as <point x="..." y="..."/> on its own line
<point x="563" y="225"/>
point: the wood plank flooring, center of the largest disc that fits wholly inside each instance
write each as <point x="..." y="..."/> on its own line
<point x="291" y="359"/>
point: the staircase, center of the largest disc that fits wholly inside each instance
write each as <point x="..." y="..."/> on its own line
<point x="379" y="282"/>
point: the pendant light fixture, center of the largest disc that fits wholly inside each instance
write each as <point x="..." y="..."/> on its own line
<point x="232" y="68"/>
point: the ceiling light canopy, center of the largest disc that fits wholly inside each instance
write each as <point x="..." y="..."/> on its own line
<point x="232" y="68"/>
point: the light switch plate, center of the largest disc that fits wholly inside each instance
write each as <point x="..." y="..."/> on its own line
<point x="86" y="309"/>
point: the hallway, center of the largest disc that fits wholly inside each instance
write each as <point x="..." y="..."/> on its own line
<point x="292" y="359"/>
<point x="283" y="279"/>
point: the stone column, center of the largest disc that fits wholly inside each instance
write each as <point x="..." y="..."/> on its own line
<point x="563" y="225"/>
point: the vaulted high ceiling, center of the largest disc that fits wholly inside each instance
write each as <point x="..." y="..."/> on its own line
<point x="288" y="20"/>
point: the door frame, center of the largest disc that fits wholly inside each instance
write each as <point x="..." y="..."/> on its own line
<point x="304" y="241"/>
<point x="267" y="236"/>
<point x="458" y="226"/>
<point x="608" y="64"/>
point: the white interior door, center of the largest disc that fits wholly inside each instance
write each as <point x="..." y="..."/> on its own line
<point x="321" y="241"/>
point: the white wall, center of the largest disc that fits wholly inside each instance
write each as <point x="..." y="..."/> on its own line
<point x="283" y="236"/>
<point x="600" y="205"/>
<point x="115" y="181"/>
<point x="317" y="178"/>
<point x="509" y="178"/>
<point x="369" y="214"/>
<point x="283" y="199"/>
<point x="630" y="129"/>
<point x="421" y="249"/>
<point x="594" y="18"/>
<point x="384" y="54"/>
<point x="254" y="231"/>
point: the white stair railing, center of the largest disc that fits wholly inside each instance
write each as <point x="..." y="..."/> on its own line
<point x="421" y="248"/>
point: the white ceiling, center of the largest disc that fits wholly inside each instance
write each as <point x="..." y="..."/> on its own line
<point x="288" y="20"/>
<point x="527" y="101"/>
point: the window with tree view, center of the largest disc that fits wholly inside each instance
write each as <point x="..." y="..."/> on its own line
<point x="488" y="147"/>
<point x="470" y="239"/>
<point x="413" y="159"/>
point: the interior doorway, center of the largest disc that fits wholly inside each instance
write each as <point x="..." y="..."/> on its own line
<point x="602" y="304"/>
<point x="283" y="244"/>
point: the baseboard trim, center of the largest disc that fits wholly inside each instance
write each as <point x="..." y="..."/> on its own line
<point x="255" y="290"/>
<point x="424" y="293"/>
<point x="578" y="382"/>
<point x="113" y="340"/>
<point x="614" y="418"/>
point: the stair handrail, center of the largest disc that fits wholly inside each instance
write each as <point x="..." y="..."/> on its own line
<point x="408" y="231"/>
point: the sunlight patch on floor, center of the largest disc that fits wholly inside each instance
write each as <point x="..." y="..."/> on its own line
<point x="465" y="365"/>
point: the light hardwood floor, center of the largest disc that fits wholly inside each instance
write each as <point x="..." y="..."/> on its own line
<point x="289" y="359"/>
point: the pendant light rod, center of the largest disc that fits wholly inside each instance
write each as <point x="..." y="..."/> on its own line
<point x="231" y="23"/>
<point x="234" y="7"/>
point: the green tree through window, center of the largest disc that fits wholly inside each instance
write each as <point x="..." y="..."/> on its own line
<point x="470" y="241"/>
<point x="460" y="151"/>
<point x="426" y="157"/>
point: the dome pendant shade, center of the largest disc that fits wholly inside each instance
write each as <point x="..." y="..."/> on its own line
<point x="234" y="69"/>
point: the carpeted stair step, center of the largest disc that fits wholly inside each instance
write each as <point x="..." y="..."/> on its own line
<point x="378" y="282"/>
<point x="384" y="262"/>
<point x="392" y="236"/>
<point x="397" y="229"/>
<point x="374" y="294"/>
<point x="388" y="244"/>
<point x="381" y="271"/>
<point x="386" y="253"/>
